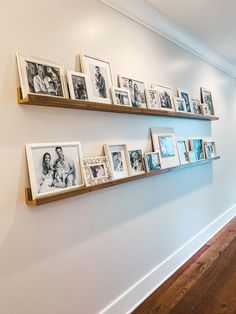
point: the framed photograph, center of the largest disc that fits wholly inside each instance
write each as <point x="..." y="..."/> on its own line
<point x="165" y="97"/>
<point x="183" y="152"/>
<point x="40" y="77"/>
<point x="136" y="90"/>
<point x="210" y="150"/>
<point x="179" y="104"/>
<point x="196" y="106"/>
<point x="135" y="161"/>
<point x="99" y="76"/>
<point x="117" y="157"/>
<point x="164" y="141"/>
<point x="77" y="83"/>
<point x="120" y="96"/>
<point x="54" y="167"/>
<point x="152" y="98"/>
<point x="152" y="161"/>
<point x="196" y="145"/>
<point x="206" y="98"/>
<point x="185" y="96"/>
<point x="96" y="170"/>
<point x="192" y="156"/>
<point x="205" y="110"/>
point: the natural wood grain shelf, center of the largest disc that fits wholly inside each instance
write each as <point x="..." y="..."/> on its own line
<point x="49" y="101"/>
<point x="83" y="190"/>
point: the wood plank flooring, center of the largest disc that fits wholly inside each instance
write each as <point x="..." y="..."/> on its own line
<point x="206" y="284"/>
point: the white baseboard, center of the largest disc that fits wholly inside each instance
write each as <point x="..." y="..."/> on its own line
<point x="137" y="293"/>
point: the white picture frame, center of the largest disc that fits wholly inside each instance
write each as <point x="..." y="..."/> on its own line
<point x="96" y="170"/>
<point x="120" y="96"/>
<point x="206" y="98"/>
<point x="186" y="96"/>
<point x="152" y="98"/>
<point x="196" y="145"/>
<point x="135" y="161"/>
<point x="152" y="161"/>
<point x="165" y="97"/>
<point x="183" y="151"/>
<point x="196" y="106"/>
<point x="179" y="104"/>
<point x="77" y="83"/>
<point x="210" y="149"/>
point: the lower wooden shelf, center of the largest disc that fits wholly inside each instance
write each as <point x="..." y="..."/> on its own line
<point x="83" y="190"/>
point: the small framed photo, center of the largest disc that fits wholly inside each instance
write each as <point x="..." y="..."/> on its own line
<point x="77" y="83"/>
<point x="152" y="161"/>
<point x="136" y="90"/>
<point x="185" y="96"/>
<point x="196" y="145"/>
<point x="135" y="161"/>
<point x="183" y="152"/>
<point x="99" y="76"/>
<point x="152" y="98"/>
<point x="205" y="110"/>
<point x="40" y="77"/>
<point x="210" y="150"/>
<point x="164" y="141"/>
<point x="117" y="157"/>
<point x="179" y="104"/>
<point x="192" y="156"/>
<point x="54" y="168"/>
<point x="96" y="170"/>
<point x="196" y="106"/>
<point x="206" y="98"/>
<point x="120" y="96"/>
<point x="165" y="97"/>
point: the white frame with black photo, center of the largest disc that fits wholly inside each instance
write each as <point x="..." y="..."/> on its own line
<point x="161" y="89"/>
<point x="180" y="94"/>
<point x="35" y="165"/>
<point x="211" y="144"/>
<point x="71" y="84"/>
<point x="89" y="176"/>
<point x="117" y="148"/>
<point x="176" y="103"/>
<point x="184" y="160"/>
<point x="105" y="66"/>
<point x="191" y="145"/>
<point x="133" y="172"/>
<point x="156" y="105"/>
<point x="157" y="154"/>
<point x="166" y="161"/>
<point x="24" y="80"/>
<point x="114" y="96"/>
<point x="141" y="93"/>
<point x="194" y="100"/>
<point x="210" y="105"/>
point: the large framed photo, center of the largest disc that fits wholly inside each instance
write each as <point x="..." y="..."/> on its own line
<point x="96" y="170"/>
<point x="40" y="77"/>
<point x="99" y="76"/>
<point x="207" y="99"/>
<point x="54" y="167"/>
<point x="196" y="145"/>
<point x="165" y="97"/>
<point x="120" y="96"/>
<point x="117" y="157"/>
<point x="185" y="96"/>
<point x="136" y="89"/>
<point x="164" y="141"/>
<point x="210" y="150"/>
<point x="183" y="152"/>
<point x="135" y="161"/>
<point x="77" y="83"/>
<point x="179" y="104"/>
<point x="196" y="106"/>
<point x="152" y="161"/>
<point x="152" y="98"/>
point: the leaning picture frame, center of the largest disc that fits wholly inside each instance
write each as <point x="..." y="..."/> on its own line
<point x="196" y="106"/>
<point x="196" y="145"/>
<point x="185" y="95"/>
<point x="179" y="104"/>
<point x="38" y="76"/>
<point x="165" y="97"/>
<point x="135" y="161"/>
<point x="100" y="78"/>
<point x="152" y="161"/>
<point x="206" y="98"/>
<point x="96" y="170"/>
<point x="183" y="151"/>
<point x="152" y="98"/>
<point x="210" y="149"/>
<point x="77" y="83"/>
<point x="120" y="96"/>
<point x="54" y="167"/>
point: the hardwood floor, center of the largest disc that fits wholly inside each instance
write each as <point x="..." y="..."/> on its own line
<point x="206" y="284"/>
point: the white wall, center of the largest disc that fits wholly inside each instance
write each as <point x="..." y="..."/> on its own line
<point x="78" y="255"/>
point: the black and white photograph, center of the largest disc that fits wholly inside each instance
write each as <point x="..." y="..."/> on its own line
<point x="183" y="152"/>
<point x="135" y="161"/>
<point x="197" y="146"/>
<point x="196" y="105"/>
<point x="120" y="96"/>
<point x="100" y="80"/>
<point x="77" y="83"/>
<point x="205" y="110"/>
<point x="185" y="96"/>
<point x="165" y="97"/>
<point x="96" y="170"/>
<point x="117" y="156"/>
<point x="152" y="98"/>
<point x="152" y="161"/>
<point x="210" y="150"/>
<point x="179" y="104"/>
<point x="40" y="77"/>
<point x="136" y="90"/>
<point x="207" y="99"/>
<point x="54" y="167"/>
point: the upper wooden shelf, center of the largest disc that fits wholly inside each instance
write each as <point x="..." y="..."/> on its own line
<point x="83" y="190"/>
<point x="49" y="101"/>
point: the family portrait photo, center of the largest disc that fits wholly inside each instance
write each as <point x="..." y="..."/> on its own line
<point x="152" y="161"/>
<point x="152" y="98"/>
<point x="99" y="76"/>
<point x="165" y="96"/>
<point x="185" y="96"/>
<point x="96" y="170"/>
<point x="54" y="167"/>
<point x="39" y="77"/>
<point x="135" y="161"/>
<point x="207" y="99"/>
<point x="136" y="91"/>
<point x="77" y="85"/>
<point x="120" y="96"/>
